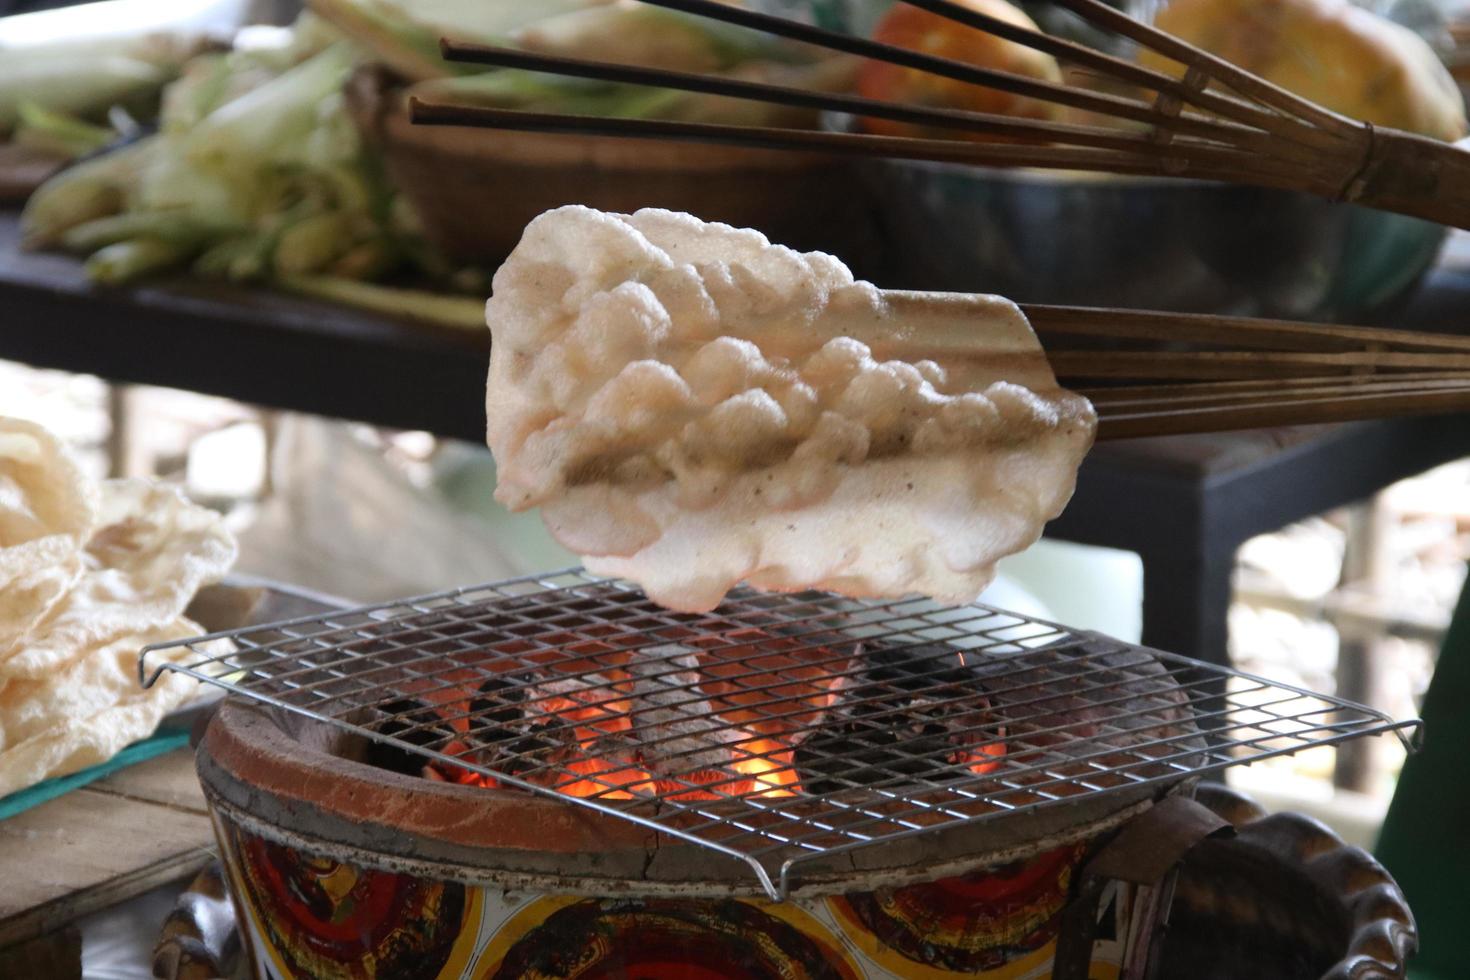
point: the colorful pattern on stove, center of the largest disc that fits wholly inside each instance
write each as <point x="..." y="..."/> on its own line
<point x="967" y="925"/>
<point x="306" y="916"/>
<point x="663" y="939"/>
<point x="322" y="918"/>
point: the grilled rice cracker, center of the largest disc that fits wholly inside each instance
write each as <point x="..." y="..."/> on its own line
<point x="691" y="406"/>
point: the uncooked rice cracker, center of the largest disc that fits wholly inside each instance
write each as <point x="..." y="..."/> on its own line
<point x="151" y="551"/>
<point x="84" y="714"/>
<point x="47" y="509"/>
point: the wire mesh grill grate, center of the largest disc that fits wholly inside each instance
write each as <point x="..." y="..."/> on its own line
<point x="776" y="729"/>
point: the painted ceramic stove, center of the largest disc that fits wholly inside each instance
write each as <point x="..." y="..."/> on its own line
<point x="387" y="875"/>
<point x="555" y="778"/>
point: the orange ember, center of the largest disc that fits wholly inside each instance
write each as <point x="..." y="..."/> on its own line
<point x="444" y="772"/>
<point x="603" y="778"/>
<point x="980" y="766"/>
<point x="765" y="686"/>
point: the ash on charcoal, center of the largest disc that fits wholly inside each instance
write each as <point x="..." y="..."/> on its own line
<point x="511" y="728"/>
<point x="913" y="714"/>
<point x="413" y="722"/>
<point x="673" y="724"/>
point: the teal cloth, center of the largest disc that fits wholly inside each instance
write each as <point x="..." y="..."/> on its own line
<point x="163" y="740"/>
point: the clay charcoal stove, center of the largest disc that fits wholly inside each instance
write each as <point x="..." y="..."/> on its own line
<point x="554" y="776"/>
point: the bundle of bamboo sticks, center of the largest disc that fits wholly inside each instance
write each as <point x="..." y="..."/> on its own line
<point x="1148" y="373"/>
<point x="1215" y="121"/>
<point x="1168" y="373"/>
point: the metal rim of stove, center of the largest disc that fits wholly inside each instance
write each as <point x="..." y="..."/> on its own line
<point x="285" y="664"/>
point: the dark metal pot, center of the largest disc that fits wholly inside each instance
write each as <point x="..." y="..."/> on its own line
<point x="1144" y="243"/>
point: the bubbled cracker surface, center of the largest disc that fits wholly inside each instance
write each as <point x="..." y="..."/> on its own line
<point x="691" y="406"/>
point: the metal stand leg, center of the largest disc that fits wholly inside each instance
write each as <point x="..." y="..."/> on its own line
<point x="124" y="454"/>
<point x="1186" y="599"/>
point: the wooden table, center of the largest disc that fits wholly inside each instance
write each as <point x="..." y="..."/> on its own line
<point x="94" y="848"/>
<point x="1185" y="504"/>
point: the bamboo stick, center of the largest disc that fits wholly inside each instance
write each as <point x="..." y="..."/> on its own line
<point x="1225" y="365"/>
<point x="1023" y="85"/>
<point x="1273" y="122"/>
<point x="1208" y="328"/>
<point x="1284" y="393"/>
<point x="958" y="119"/>
<point x="1217" y="103"/>
<point x="1342" y="408"/>
<point x="1123" y="395"/>
<point x="1175" y="159"/>
<point x="1218" y="122"/>
<point x="1251" y="86"/>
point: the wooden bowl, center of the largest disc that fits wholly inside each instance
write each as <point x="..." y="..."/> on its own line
<point x="477" y="189"/>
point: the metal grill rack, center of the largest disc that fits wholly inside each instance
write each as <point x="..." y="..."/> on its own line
<point x="777" y="729"/>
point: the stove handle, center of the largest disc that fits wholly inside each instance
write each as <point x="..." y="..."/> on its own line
<point x="1146" y="851"/>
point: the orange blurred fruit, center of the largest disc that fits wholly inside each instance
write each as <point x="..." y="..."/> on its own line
<point x="918" y="30"/>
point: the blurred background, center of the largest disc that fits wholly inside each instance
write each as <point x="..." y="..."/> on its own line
<point x="1353" y="602"/>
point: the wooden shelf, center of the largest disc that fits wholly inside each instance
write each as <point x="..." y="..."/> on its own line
<point x="248" y="344"/>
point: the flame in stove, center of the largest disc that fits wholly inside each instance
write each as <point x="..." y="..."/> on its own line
<point x="465" y="778"/>
<point x="771" y="766"/>
<point x="763" y="767"/>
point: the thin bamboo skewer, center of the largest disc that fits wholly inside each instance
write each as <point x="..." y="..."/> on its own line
<point x="1296" y="373"/>
<point x="1285" y="393"/>
<point x="1124" y="395"/>
<point x="1223" y="365"/>
<point x="1385" y="168"/>
<point x="1153" y="161"/>
<point x="1082" y="56"/>
<point x="959" y="119"/>
<point x="1244" y="331"/>
<point x="463" y="52"/>
<point x="1290" y="373"/>
<point x="1217" y="69"/>
<point x="989" y="78"/>
<point x="1203" y="98"/>
<point x="1217" y="122"/>
<point x="1338" y="408"/>
<point x="1002" y="81"/>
